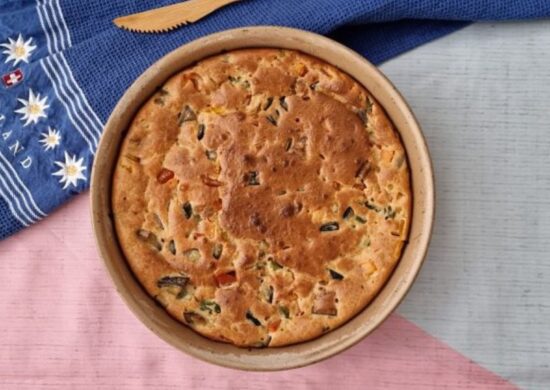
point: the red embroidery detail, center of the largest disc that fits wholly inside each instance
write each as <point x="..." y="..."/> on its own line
<point x="12" y="78"/>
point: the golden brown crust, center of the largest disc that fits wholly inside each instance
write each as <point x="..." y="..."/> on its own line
<point x="262" y="196"/>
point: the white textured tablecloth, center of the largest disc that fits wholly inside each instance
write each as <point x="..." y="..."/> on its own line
<point x="482" y="96"/>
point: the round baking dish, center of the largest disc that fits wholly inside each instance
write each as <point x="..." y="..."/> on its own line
<point x="269" y="359"/>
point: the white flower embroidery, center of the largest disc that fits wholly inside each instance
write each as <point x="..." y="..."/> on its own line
<point x="19" y="50"/>
<point x="50" y="139"/>
<point x="71" y="170"/>
<point x="33" y="109"/>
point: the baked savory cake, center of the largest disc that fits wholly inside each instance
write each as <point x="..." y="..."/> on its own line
<point x="262" y="197"/>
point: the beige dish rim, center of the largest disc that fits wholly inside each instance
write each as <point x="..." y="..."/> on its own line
<point x="347" y="335"/>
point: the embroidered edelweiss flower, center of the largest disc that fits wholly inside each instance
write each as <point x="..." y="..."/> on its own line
<point x="50" y="139"/>
<point x="19" y="50"/>
<point x="33" y="109"/>
<point x="71" y="170"/>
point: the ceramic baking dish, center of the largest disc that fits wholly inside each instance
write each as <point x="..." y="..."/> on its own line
<point x="184" y="338"/>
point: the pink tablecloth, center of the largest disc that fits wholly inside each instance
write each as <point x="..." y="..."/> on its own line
<point x="64" y="326"/>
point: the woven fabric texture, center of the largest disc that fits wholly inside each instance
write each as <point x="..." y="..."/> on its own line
<point x="64" y="65"/>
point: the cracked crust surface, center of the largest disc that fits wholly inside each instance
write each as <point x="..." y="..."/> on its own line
<point x="262" y="197"/>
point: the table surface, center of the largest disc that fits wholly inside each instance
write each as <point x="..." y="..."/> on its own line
<point x="478" y="316"/>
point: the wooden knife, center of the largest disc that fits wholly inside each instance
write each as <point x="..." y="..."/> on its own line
<point x="167" y="18"/>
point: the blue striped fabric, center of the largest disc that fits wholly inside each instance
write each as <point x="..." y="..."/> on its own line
<point x="63" y="66"/>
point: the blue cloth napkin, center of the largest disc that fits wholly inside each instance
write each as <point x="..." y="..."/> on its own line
<point x="63" y="66"/>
